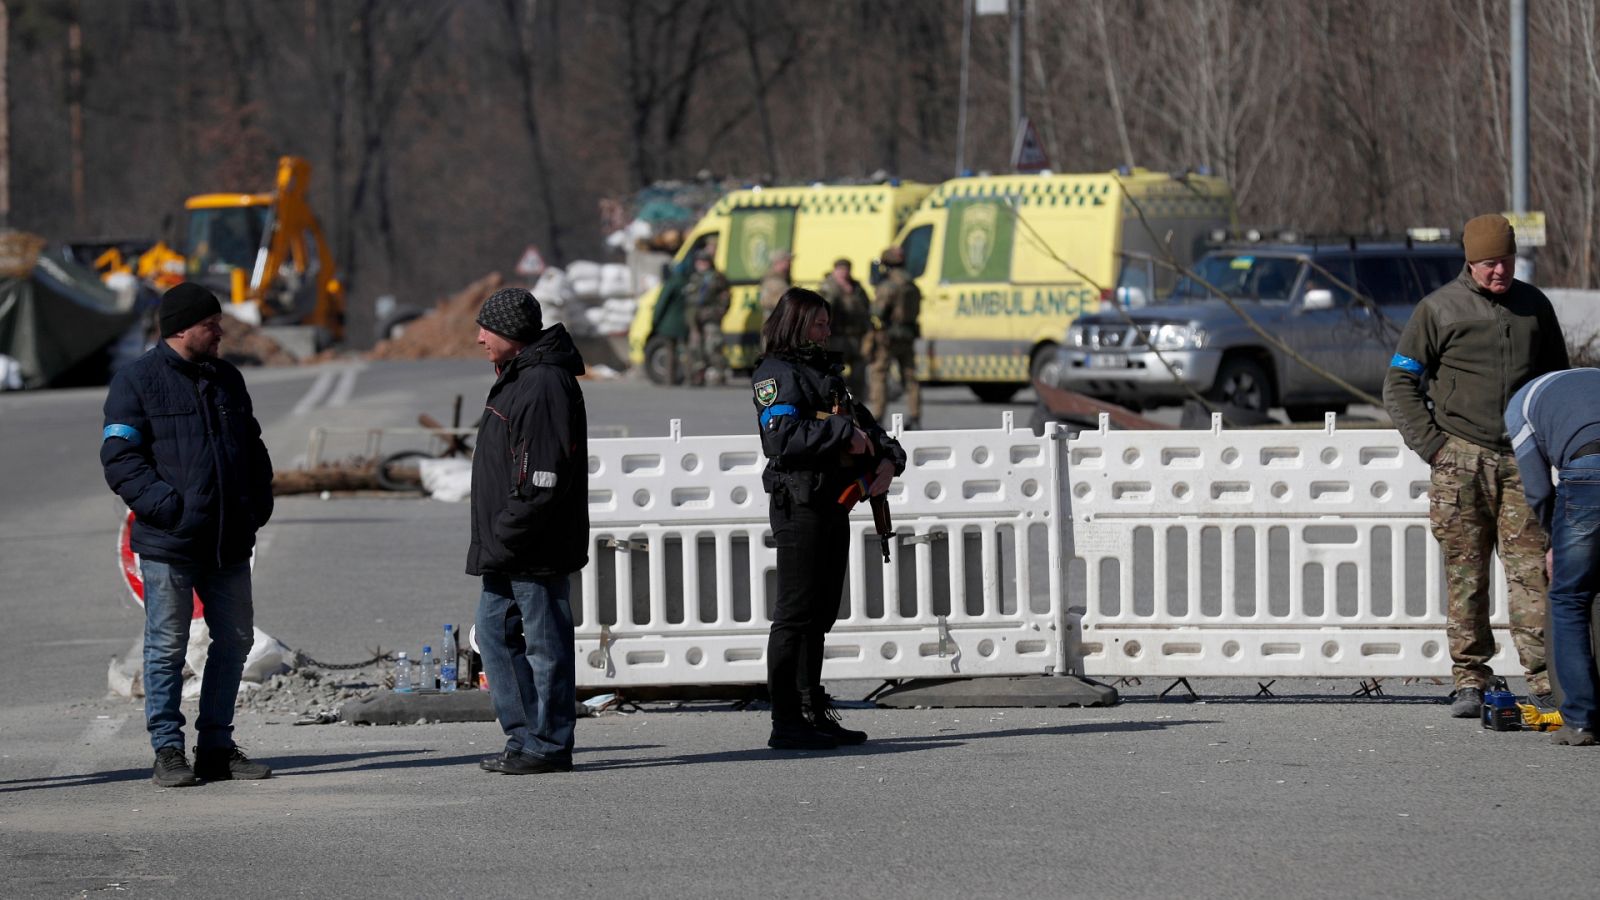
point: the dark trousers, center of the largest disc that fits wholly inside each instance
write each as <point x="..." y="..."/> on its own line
<point x="813" y="543"/>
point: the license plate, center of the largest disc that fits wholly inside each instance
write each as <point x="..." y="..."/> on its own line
<point x="1105" y="361"/>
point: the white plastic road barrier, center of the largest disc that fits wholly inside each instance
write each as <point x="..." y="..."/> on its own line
<point x="1258" y="553"/>
<point x="681" y="581"/>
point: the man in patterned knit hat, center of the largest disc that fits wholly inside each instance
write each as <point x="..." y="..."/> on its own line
<point x="530" y="530"/>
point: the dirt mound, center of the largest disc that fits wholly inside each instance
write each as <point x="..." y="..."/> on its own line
<point x="243" y="344"/>
<point x="448" y="331"/>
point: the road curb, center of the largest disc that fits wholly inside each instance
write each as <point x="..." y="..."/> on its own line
<point x="390" y="708"/>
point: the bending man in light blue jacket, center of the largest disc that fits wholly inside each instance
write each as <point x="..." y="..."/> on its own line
<point x="1554" y="422"/>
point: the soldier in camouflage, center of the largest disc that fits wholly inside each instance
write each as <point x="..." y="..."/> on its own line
<point x="706" y="302"/>
<point x="1468" y="347"/>
<point x="852" y="322"/>
<point x="775" y="282"/>
<point x="894" y="338"/>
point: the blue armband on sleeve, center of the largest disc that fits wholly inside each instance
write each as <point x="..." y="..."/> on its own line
<point x="1406" y="364"/>
<point x="126" y="432"/>
<point x="772" y="412"/>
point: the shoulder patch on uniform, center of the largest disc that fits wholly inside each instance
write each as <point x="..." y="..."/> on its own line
<point x="767" y="391"/>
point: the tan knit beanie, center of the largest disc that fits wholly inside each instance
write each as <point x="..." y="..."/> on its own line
<point x="1489" y="237"/>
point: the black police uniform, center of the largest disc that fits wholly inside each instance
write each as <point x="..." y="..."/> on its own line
<point x="808" y="467"/>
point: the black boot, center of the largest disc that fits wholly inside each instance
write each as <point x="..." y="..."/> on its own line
<point x="798" y="735"/>
<point x="824" y="718"/>
<point x="172" y="769"/>
<point x="227" y="764"/>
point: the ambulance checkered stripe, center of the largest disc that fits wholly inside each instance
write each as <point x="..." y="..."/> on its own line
<point x="809" y="201"/>
<point x="975" y="367"/>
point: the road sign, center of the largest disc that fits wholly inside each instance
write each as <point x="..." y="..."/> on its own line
<point x="1529" y="227"/>
<point x="1027" y="153"/>
<point x="531" y="265"/>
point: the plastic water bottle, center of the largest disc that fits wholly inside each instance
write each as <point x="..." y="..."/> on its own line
<point x="447" y="661"/>
<point x="428" y="684"/>
<point x="402" y="673"/>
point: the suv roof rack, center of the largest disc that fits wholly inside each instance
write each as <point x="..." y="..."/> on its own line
<point x="1409" y="238"/>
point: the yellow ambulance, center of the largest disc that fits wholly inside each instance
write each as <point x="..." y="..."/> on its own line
<point x="816" y="223"/>
<point x="987" y="253"/>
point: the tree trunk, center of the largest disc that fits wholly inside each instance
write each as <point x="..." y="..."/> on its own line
<point x="5" y="120"/>
<point x="752" y="51"/>
<point x="523" y="25"/>
<point x="1120" y="118"/>
<point x="80" y="199"/>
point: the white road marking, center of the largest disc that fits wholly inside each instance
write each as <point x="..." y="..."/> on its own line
<point x="346" y="387"/>
<point x="99" y="730"/>
<point x="319" y="389"/>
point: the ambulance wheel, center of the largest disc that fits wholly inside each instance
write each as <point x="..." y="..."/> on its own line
<point x="1045" y="367"/>
<point x="658" y="361"/>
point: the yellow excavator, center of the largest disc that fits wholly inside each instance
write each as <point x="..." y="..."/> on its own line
<point x="265" y="252"/>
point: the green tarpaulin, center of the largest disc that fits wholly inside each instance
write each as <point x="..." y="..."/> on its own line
<point x="56" y="317"/>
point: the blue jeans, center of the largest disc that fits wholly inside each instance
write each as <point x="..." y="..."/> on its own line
<point x="525" y="636"/>
<point x="1574" y="579"/>
<point x="168" y="607"/>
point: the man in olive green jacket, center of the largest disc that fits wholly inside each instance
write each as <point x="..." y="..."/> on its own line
<point x="1468" y="347"/>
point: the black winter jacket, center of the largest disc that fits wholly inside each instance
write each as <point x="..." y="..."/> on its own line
<point x="530" y="468"/>
<point x="808" y="454"/>
<point x="181" y="446"/>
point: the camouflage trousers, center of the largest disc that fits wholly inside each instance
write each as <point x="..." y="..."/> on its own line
<point x="703" y="350"/>
<point x="903" y="356"/>
<point x="1477" y="507"/>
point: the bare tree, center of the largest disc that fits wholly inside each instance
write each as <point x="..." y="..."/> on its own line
<point x="666" y="46"/>
<point x="522" y="17"/>
<point x="390" y="40"/>
<point x="1351" y="115"/>
<point x="758" y="22"/>
<point x="80" y="200"/>
<point x="1569" y="119"/>
<point x="5" y="117"/>
<point x="1097" y="14"/>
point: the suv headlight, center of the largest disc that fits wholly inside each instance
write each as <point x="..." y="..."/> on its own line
<point x="1075" y="336"/>
<point x="1177" y="337"/>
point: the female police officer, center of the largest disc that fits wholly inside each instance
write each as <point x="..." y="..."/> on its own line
<point x="818" y="443"/>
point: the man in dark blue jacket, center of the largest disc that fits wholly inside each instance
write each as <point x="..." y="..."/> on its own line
<point x="182" y="448"/>
<point x="1554" y="422"/>
<point x="530" y="530"/>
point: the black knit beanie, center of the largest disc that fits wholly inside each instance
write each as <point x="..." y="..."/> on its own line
<point x="185" y="305"/>
<point x="512" y="313"/>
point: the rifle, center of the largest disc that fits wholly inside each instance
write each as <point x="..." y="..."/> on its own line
<point x="859" y="487"/>
<point x="880" y="511"/>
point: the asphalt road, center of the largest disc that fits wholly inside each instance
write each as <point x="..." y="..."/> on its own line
<point x="1316" y="793"/>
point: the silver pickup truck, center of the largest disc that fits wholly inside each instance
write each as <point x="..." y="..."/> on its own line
<point x="1340" y="305"/>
